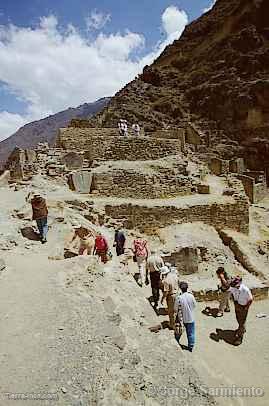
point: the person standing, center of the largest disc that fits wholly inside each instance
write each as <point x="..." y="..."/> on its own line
<point x="136" y="129"/>
<point x="125" y="128"/>
<point x="243" y="298"/>
<point x="119" y="241"/>
<point x="121" y="127"/>
<point x="153" y="268"/>
<point x="40" y="215"/>
<point x="224" y="305"/>
<point x="184" y="310"/>
<point x="141" y="253"/>
<point x="170" y="289"/>
<point x="101" y="247"/>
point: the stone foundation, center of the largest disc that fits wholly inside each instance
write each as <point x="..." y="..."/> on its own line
<point x="234" y="215"/>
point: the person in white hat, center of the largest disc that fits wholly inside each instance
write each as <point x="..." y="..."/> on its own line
<point x="170" y="284"/>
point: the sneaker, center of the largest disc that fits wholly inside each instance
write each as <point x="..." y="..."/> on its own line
<point x="227" y="310"/>
<point x="219" y="314"/>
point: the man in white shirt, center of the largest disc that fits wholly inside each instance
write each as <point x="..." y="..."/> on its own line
<point x="184" y="309"/>
<point x="242" y="300"/>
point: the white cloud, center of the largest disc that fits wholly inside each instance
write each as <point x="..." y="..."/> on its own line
<point x="174" y="20"/>
<point x="211" y="5"/>
<point x="9" y="123"/>
<point x="97" y="20"/>
<point x="51" y="69"/>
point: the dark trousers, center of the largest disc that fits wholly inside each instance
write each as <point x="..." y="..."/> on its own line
<point x="155" y="286"/>
<point x="119" y="249"/>
<point x="42" y="225"/>
<point x="241" y="313"/>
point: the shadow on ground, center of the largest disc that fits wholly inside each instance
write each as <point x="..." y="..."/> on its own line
<point x="229" y="336"/>
<point x="30" y="234"/>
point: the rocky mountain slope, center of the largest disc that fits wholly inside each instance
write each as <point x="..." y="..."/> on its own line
<point x="216" y="76"/>
<point x="46" y="129"/>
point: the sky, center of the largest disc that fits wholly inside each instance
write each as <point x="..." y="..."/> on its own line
<point x="60" y="54"/>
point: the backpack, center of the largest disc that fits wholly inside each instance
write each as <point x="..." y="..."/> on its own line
<point x="140" y="248"/>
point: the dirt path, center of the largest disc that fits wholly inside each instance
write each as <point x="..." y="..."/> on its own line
<point x="221" y="364"/>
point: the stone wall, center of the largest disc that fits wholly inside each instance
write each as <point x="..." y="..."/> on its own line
<point x="219" y="166"/>
<point x="171" y="133"/>
<point x="117" y="147"/>
<point x="234" y="215"/>
<point x="128" y="183"/>
<point x="237" y="165"/>
<point x="254" y="184"/>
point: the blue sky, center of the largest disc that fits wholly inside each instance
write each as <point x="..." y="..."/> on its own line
<point x="56" y="54"/>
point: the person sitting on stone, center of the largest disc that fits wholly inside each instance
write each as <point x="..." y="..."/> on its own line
<point x="153" y="268"/>
<point x="40" y="215"/>
<point x="225" y="294"/>
<point x="101" y="247"/>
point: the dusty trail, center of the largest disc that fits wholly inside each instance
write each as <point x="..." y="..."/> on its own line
<point x="31" y="316"/>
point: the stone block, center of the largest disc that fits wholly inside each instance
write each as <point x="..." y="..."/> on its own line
<point x="203" y="189"/>
<point x="73" y="160"/>
<point x="80" y="181"/>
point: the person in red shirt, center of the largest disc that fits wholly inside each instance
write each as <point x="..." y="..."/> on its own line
<point x="101" y="247"/>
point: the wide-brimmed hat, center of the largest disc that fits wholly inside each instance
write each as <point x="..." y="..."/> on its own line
<point x="164" y="270"/>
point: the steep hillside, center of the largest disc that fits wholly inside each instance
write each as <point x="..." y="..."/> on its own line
<point x="215" y="75"/>
<point x="45" y="130"/>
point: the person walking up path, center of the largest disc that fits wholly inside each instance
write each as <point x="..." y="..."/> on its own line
<point x="119" y="241"/>
<point x="40" y="215"/>
<point x="185" y="304"/>
<point x="170" y="289"/>
<point x="243" y="298"/>
<point x="154" y="265"/>
<point x="101" y="247"/>
<point x="141" y="253"/>
<point x="225" y="295"/>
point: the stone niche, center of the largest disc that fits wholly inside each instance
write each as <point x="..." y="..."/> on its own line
<point x="186" y="259"/>
<point x="73" y="160"/>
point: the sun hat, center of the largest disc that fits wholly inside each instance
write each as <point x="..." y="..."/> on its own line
<point x="164" y="270"/>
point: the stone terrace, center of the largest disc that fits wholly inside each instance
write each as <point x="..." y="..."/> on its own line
<point x="116" y="148"/>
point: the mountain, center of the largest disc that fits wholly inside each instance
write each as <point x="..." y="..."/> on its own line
<point x="215" y="76"/>
<point x="46" y="129"/>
